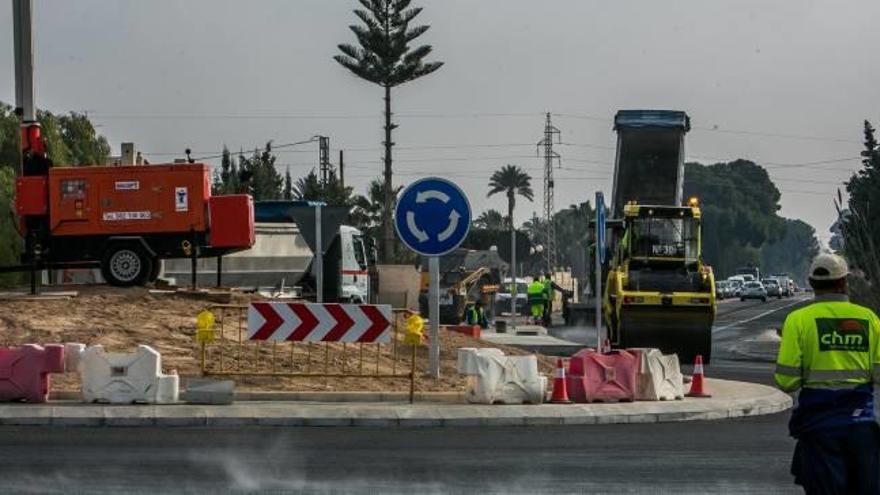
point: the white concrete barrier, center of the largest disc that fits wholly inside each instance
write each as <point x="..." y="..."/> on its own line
<point x="123" y="378"/>
<point x="659" y="376"/>
<point x="468" y="358"/>
<point x="494" y="378"/>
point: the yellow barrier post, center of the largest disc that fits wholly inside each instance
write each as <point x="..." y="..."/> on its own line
<point x="204" y="333"/>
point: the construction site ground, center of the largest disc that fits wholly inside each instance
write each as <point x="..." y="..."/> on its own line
<point x="120" y="319"/>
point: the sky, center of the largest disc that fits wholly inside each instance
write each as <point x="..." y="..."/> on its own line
<point x="785" y="83"/>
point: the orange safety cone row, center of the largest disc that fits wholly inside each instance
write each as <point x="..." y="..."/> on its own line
<point x="560" y="389"/>
<point x="697" y="386"/>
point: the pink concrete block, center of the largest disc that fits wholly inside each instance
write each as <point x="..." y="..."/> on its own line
<point x="597" y="377"/>
<point x="24" y="371"/>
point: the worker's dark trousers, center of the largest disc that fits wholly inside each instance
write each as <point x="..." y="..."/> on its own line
<point x="843" y="460"/>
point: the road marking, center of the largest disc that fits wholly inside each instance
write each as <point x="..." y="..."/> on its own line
<point x="765" y="313"/>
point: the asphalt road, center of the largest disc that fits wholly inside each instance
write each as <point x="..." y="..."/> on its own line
<point x="736" y="456"/>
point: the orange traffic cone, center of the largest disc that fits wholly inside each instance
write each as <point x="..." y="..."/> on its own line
<point x="697" y="389"/>
<point x="560" y="389"/>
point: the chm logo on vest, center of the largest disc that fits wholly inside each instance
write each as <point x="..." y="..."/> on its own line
<point x="842" y="334"/>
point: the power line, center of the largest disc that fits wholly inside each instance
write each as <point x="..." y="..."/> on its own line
<point x="367" y="148"/>
<point x="725" y="131"/>
<point x="431" y="115"/>
<point x="289" y="116"/>
<point x="273" y="148"/>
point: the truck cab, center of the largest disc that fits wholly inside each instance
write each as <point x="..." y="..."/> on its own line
<point x="356" y="261"/>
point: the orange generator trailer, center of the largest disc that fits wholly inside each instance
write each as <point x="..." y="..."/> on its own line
<point x="127" y="218"/>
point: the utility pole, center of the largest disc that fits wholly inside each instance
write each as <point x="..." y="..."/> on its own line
<point x="34" y="158"/>
<point x="546" y="145"/>
<point x="324" y="159"/>
<point x="23" y="41"/>
<point x="341" y="170"/>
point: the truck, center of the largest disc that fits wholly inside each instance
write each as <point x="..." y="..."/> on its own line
<point x="284" y="255"/>
<point x="658" y="290"/>
<point x="750" y="273"/>
<point x="127" y="219"/>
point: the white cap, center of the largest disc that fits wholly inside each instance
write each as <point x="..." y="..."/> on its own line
<point x="828" y="266"/>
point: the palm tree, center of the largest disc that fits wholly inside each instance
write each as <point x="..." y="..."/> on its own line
<point x="368" y="211"/>
<point x="490" y="219"/>
<point x="511" y="180"/>
<point x="385" y="58"/>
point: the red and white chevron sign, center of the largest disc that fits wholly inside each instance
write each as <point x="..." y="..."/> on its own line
<point x="309" y="322"/>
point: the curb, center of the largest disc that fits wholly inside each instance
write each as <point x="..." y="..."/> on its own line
<point x="733" y="400"/>
<point x="311" y="396"/>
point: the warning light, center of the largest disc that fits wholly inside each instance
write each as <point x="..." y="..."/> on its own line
<point x="32" y="139"/>
<point x="693" y="201"/>
<point x="415" y="325"/>
<point x="205" y="327"/>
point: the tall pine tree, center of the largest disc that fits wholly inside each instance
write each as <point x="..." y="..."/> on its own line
<point x="384" y="57"/>
<point x="859" y="225"/>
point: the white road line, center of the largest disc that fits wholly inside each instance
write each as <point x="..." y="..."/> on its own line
<point x="765" y="313"/>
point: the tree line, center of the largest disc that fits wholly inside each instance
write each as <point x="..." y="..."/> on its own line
<point x="857" y="228"/>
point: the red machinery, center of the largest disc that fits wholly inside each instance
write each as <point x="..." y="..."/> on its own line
<point x="128" y="218"/>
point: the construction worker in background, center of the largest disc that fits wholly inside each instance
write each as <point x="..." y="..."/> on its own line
<point x="474" y="314"/>
<point x="536" y="299"/>
<point x="550" y="288"/>
<point x="831" y="351"/>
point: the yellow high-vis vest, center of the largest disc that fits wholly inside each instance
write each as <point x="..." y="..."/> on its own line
<point x="831" y="344"/>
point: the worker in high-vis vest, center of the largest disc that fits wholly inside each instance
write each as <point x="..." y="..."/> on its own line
<point x="550" y="288"/>
<point x="536" y="299"/>
<point x="474" y="314"/>
<point x="830" y="351"/>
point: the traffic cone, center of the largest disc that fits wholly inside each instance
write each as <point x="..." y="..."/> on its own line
<point x="606" y="346"/>
<point x="560" y="389"/>
<point x="697" y="389"/>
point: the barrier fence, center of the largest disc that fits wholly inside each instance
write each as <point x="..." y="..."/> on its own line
<point x="301" y="340"/>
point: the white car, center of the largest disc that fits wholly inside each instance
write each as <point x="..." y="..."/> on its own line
<point x="753" y="290"/>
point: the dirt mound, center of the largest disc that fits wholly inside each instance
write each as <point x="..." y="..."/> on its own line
<point x="120" y="319"/>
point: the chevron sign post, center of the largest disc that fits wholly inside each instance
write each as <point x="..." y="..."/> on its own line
<point x="307" y="322"/>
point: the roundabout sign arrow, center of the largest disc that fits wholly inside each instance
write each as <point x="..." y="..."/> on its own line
<point x="432" y="216"/>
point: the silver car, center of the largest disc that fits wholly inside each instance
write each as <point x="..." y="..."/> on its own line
<point x="753" y="290"/>
<point x="773" y="288"/>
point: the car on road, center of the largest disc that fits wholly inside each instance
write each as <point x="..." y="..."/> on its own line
<point x="753" y="290"/>
<point x="502" y="297"/>
<point x="785" y="284"/>
<point x="721" y="290"/>
<point x="736" y="284"/>
<point x="771" y="285"/>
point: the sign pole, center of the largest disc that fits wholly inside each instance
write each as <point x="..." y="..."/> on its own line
<point x="598" y="286"/>
<point x="434" y="316"/>
<point x="319" y="255"/>
<point x="513" y="288"/>
<point x="599" y="255"/>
